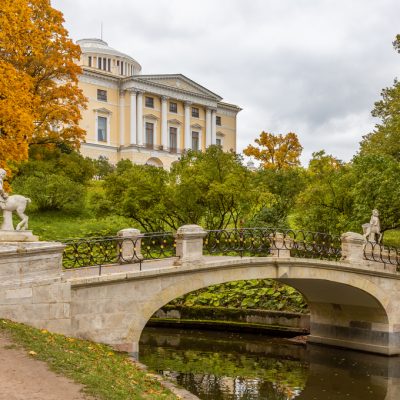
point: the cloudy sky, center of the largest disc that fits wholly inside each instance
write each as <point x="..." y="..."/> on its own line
<point x="314" y="67"/>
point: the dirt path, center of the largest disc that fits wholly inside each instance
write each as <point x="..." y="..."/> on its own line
<point x="22" y="377"/>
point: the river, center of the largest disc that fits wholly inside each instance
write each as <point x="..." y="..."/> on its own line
<point x="233" y="366"/>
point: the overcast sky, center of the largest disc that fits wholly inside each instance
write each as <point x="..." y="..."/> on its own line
<point x="313" y="67"/>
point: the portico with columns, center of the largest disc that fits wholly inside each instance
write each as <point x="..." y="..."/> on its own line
<point x="149" y="117"/>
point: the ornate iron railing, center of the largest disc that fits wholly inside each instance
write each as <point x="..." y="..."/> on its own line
<point x="380" y="253"/>
<point x="103" y="251"/>
<point x="273" y="241"/>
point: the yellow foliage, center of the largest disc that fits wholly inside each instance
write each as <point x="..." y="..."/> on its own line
<point x="276" y="151"/>
<point x="38" y="79"/>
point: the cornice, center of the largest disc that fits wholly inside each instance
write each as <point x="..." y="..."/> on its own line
<point x="161" y="77"/>
<point x="164" y="90"/>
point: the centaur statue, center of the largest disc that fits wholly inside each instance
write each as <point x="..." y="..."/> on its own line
<point x="372" y="231"/>
<point x="14" y="203"/>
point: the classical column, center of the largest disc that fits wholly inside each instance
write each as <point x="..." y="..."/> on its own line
<point x="213" y="126"/>
<point x="164" y="122"/>
<point x="139" y="114"/>
<point x="121" y="117"/>
<point x="133" y="118"/>
<point x="187" y="133"/>
<point x="208" y="127"/>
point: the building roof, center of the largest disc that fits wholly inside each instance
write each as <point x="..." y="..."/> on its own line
<point x="94" y="45"/>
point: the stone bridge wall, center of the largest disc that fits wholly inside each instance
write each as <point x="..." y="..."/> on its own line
<point x="353" y="303"/>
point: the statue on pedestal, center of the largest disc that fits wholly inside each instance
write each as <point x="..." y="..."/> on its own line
<point x="372" y="231"/>
<point x="9" y="204"/>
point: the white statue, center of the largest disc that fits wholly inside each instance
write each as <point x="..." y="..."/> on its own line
<point x="373" y="229"/>
<point x="9" y="204"/>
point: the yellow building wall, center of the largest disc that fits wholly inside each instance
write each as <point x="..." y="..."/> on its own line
<point x="228" y="128"/>
<point x="89" y="116"/>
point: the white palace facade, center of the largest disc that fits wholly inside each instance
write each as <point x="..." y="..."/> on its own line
<point x="149" y="119"/>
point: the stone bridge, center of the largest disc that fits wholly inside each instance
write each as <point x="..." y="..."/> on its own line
<point x="354" y="303"/>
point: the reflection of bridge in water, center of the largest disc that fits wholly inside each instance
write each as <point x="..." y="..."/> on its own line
<point x="352" y="300"/>
<point x="266" y="366"/>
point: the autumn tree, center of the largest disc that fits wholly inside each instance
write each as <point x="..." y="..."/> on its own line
<point x="35" y="52"/>
<point x="276" y="151"/>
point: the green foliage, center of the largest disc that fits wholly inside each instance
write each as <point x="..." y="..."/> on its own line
<point x="54" y="180"/>
<point x="137" y="192"/>
<point x="376" y="185"/>
<point x="104" y="373"/>
<point x="325" y="204"/>
<point x="53" y="225"/>
<point x="52" y="192"/>
<point x="263" y="294"/>
<point x="212" y="189"/>
<point x="102" y="167"/>
<point x="283" y="187"/>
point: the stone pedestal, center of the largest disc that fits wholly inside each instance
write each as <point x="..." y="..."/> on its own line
<point x="17" y="236"/>
<point x="189" y="244"/>
<point x="280" y="245"/>
<point x="131" y="245"/>
<point x="32" y="290"/>
<point x="353" y="247"/>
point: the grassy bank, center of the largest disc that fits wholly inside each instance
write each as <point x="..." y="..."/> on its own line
<point x="59" y="225"/>
<point x="106" y="374"/>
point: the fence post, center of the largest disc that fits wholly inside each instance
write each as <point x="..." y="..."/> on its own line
<point x="189" y="244"/>
<point x="131" y="245"/>
<point x="280" y="245"/>
<point x="353" y="247"/>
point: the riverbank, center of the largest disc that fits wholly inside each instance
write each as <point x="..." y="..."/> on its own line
<point x="278" y="323"/>
<point x="101" y="372"/>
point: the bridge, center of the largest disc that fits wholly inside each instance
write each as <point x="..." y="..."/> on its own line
<point x="106" y="289"/>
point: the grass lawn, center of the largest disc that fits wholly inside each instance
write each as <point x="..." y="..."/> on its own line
<point x="106" y="374"/>
<point x="392" y="238"/>
<point x="58" y="225"/>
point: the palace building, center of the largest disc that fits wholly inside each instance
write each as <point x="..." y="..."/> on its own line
<point x="149" y="119"/>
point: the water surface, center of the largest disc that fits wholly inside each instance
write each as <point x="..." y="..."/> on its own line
<point x="232" y="366"/>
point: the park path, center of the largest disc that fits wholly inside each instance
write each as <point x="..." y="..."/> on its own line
<point x="22" y="377"/>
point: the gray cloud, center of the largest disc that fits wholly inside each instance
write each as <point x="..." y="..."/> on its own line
<point x="312" y="67"/>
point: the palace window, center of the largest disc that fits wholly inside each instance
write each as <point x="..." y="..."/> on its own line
<point x="149" y="134"/>
<point x="99" y="62"/>
<point x="109" y="65"/>
<point x="149" y="102"/>
<point x="195" y="112"/>
<point x="218" y="142"/>
<point x="101" y="95"/>
<point x="90" y="61"/>
<point x="122" y="67"/>
<point x="173" y="107"/>
<point x="173" y="139"/>
<point x="218" y="121"/>
<point x="102" y="129"/>
<point x="105" y="64"/>
<point x="195" y="141"/>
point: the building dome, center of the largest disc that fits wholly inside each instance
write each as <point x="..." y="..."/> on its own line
<point x="96" y="53"/>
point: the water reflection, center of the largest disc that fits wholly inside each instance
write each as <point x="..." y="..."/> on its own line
<point x="229" y="366"/>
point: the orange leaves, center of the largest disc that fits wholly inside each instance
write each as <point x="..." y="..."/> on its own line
<point x="276" y="151"/>
<point x="38" y="79"/>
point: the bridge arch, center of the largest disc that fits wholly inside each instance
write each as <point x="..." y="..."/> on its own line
<point x="347" y="310"/>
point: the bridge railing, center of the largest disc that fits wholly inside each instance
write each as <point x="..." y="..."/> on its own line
<point x="272" y="241"/>
<point x="101" y="251"/>
<point x="384" y="254"/>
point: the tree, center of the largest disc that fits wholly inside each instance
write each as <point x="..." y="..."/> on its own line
<point x="16" y="121"/>
<point x="376" y="185"/>
<point x="35" y="48"/>
<point x="283" y="185"/>
<point x="325" y="205"/>
<point x="277" y="151"/>
<point x="213" y="189"/>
